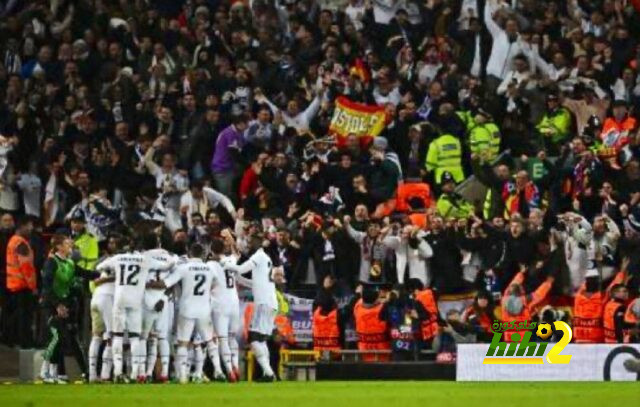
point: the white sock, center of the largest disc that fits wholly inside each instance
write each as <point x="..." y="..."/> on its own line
<point x="53" y="371"/>
<point x="107" y="362"/>
<point x="176" y="362"/>
<point x="181" y="361"/>
<point x="142" y="357"/>
<point x="225" y="354"/>
<point x="135" y="356"/>
<point x="164" y="356"/>
<point x="198" y="360"/>
<point x="190" y="357"/>
<point x="117" y="355"/>
<point x="235" y="354"/>
<point x="152" y="355"/>
<point x="44" y="369"/>
<point x="94" y="348"/>
<point x="261" y="353"/>
<point x="212" y="349"/>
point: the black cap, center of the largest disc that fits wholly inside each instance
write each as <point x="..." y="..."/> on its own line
<point x="78" y="215"/>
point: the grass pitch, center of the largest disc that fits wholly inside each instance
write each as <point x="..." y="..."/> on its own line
<point x="328" y="394"/>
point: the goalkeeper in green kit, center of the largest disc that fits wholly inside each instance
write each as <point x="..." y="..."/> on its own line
<point x="59" y="298"/>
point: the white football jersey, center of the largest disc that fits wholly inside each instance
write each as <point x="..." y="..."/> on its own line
<point x="131" y="273"/>
<point x="197" y="278"/>
<point x="262" y="285"/>
<point x="225" y="292"/>
<point x="105" y="288"/>
<point x="151" y="295"/>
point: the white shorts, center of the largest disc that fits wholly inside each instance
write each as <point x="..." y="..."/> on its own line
<point x="101" y="315"/>
<point x="263" y="320"/>
<point x="226" y="322"/>
<point x="157" y="323"/>
<point x="187" y="326"/>
<point x="127" y="319"/>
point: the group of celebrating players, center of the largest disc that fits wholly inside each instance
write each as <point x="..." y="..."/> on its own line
<point x="182" y="306"/>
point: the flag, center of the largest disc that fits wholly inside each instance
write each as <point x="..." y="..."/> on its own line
<point x="360" y="70"/>
<point x="365" y="121"/>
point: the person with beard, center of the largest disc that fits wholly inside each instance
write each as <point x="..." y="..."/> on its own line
<point x="404" y="316"/>
<point x="519" y="306"/>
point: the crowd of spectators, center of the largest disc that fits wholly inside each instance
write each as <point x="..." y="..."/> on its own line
<point x="192" y="116"/>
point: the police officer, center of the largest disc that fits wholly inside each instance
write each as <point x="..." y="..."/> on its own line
<point x="451" y="204"/>
<point x="555" y="125"/>
<point x="445" y="155"/>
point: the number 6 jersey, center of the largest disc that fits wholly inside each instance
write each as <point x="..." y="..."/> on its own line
<point x="197" y="279"/>
<point x="225" y="293"/>
<point x="131" y="272"/>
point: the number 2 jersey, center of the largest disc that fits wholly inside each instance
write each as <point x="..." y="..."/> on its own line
<point x="131" y="272"/>
<point x="197" y="278"/>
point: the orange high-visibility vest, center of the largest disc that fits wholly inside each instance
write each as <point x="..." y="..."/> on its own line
<point x="430" y="325"/>
<point x="525" y="315"/>
<point x="631" y="318"/>
<point x="628" y="124"/>
<point x="248" y="314"/>
<point x="285" y="330"/>
<point x="587" y="318"/>
<point x="372" y="332"/>
<point x="21" y="273"/>
<point x="609" y="322"/>
<point x="409" y="190"/>
<point x="326" y="333"/>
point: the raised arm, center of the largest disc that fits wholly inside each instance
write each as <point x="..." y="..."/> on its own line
<point x="490" y="8"/>
<point x="219" y="198"/>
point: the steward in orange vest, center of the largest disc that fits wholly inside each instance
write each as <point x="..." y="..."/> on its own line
<point x="326" y="324"/>
<point x="373" y="332"/>
<point x="427" y="298"/>
<point x="518" y="306"/>
<point x="614" y="325"/>
<point x="588" y="308"/>
<point x="632" y="321"/>
<point x="21" y="285"/>
<point x="21" y="273"/>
